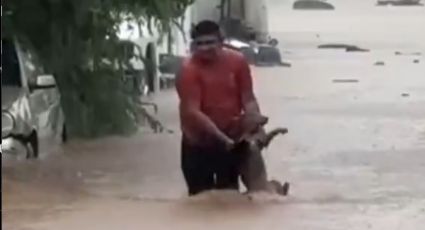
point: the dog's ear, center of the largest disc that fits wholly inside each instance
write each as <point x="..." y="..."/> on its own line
<point x="264" y="120"/>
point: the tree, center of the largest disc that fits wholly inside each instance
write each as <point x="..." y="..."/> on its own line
<point x="77" y="41"/>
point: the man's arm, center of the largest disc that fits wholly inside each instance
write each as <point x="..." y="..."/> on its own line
<point x="189" y="92"/>
<point x="249" y="101"/>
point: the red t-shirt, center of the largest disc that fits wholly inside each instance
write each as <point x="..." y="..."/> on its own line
<point x="216" y="88"/>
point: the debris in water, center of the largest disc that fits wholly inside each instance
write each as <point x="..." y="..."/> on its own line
<point x="345" y="81"/>
<point x="285" y="64"/>
<point x="411" y="54"/>
<point x="405" y="95"/>
<point x="312" y="5"/>
<point x="399" y="3"/>
<point x="379" y="63"/>
<point x="348" y="48"/>
<point x="356" y="49"/>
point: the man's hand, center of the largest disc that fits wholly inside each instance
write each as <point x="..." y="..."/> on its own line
<point x="229" y="143"/>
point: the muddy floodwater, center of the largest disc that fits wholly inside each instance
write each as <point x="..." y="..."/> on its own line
<point x="355" y="152"/>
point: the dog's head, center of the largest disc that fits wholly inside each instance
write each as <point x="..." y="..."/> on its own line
<point x="247" y="128"/>
<point x="259" y="141"/>
<point x="247" y="124"/>
<point x="251" y="123"/>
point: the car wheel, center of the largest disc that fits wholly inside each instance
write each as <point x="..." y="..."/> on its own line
<point x="32" y="145"/>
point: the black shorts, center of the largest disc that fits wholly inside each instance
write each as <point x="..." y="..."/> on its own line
<point x="209" y="167"/>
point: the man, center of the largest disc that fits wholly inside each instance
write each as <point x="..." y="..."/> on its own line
<point x="215" y="88"/>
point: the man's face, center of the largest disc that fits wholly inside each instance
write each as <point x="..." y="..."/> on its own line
<point x="206" y="47"/>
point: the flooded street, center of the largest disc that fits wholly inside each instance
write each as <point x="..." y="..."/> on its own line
<point x="355" y="152"/>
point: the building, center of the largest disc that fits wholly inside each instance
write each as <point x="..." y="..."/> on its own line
<point x="252" y="12"/>
<point x="151" y="44"/>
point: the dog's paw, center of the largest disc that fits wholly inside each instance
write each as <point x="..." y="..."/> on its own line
<point x="279" y="188"/>
<point x="282" y="130"/>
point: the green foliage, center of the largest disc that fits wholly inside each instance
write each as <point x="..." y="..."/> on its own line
<point x="77" y="41"/>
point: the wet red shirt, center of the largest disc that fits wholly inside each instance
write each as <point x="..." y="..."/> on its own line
<point x="216" y="88"/>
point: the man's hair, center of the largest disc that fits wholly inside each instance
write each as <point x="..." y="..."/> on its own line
<point x="205" y="27"/>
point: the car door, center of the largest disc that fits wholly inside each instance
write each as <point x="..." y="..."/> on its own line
<point x="44" y="103"/>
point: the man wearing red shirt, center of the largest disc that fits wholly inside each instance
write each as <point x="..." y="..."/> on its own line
<point x="215" y="88"/>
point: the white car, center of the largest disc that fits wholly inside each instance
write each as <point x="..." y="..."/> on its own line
<point x="32" y="117"/>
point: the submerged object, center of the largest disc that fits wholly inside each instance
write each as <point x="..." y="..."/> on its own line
<point x="312" y="5"/>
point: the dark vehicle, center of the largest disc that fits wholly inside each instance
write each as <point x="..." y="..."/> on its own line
<point x="250" y="52"/>
<point x="258" y="54"/>
<point x="312" y="5"/>
<point x="32" y="117"/>
<point x="268" y="56"/>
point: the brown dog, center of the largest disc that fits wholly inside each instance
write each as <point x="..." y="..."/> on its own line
<point x="252" y="140"/>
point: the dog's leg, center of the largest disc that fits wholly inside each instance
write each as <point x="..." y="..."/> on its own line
<point x="253" y="169"/>
<point x="266" y="138"/>
<point x="254" y="175"/>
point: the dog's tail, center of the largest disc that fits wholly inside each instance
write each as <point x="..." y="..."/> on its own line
<point x="271" y="135"/>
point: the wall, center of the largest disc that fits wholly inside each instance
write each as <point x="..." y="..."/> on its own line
<point x="237" y="8"/>
<point x="256" y="13"/>
<point x="205" y="10"/>
<point x="256" y="16"/>
<point x="180" y="42"/>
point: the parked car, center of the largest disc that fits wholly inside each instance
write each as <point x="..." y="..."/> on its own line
<point x="32" y="117"/>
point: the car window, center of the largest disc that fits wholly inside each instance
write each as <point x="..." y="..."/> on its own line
<point x="11" y="75"/>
